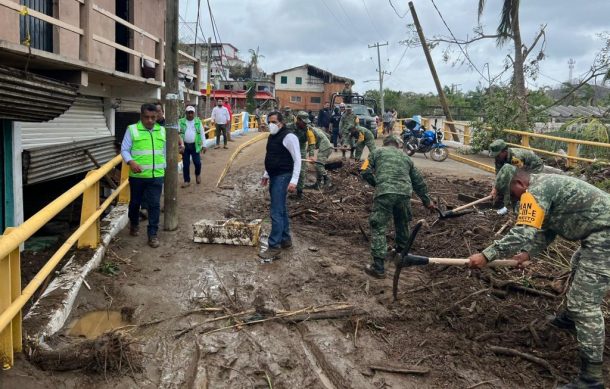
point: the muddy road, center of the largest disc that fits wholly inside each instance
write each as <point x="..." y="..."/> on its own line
<point x="203" y="315"/>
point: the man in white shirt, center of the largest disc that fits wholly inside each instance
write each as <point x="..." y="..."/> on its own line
<point x="282" y="171"/>
<point x="221" y="117"/>
<point x="191" y="140"/>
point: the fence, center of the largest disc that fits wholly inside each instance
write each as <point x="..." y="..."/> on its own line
<point x="12" y="298"/>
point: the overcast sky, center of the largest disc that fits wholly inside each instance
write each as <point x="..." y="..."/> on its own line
<point x="334" y="35"/>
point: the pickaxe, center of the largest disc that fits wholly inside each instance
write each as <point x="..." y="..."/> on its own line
<point x="455" y="212"/>
<point x="330" y="165"/>
<point x="407" y="259"/>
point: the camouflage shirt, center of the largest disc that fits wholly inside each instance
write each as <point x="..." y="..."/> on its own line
<point x="365" y="135"/>
<point x="553" y="205"/>
<point x="522" y="159"/>
<point x="390" y="170"/>
<point x="347" y="120"/>
<point x="321" y="141"/>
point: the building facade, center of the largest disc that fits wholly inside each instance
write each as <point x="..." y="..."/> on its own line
<point x="306" y="87"/>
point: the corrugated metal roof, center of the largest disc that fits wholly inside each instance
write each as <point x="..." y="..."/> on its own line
<point x="84" y="120"/>
<point x="52" y="162"/>
<point x="571" y="111"/>
<point x="29" y="97"/>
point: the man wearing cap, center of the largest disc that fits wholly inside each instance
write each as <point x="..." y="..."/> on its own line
<point x="288" y="116"/>
<point x="347" y="92"/>
<point x="191" y="144"/>
<point x="364" y="137"/>
<point x="305" y="136"/>
<point x="325" y="149"/>
<point x="521" y="158"/>
<point x="347" y="121"/>
<point x="394" y="177"/>
<point x="221" y="118"/>
<point x="552" y="205"/>
<point x="143" y="149"/>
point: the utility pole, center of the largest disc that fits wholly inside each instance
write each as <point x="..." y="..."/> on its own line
<point x="170" y="199"/>
<point x="571" y="63"/>
<point x="437" y="82"/>
<point x="381" y="73"/>
<point x="208" y="89"/>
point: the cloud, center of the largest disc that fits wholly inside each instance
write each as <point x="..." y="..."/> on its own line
<point x="335" y="34"/>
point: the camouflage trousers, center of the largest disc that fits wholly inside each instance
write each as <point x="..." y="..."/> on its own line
<point x="386" y="207"/>
<point x="346" y="139"/>
<point x="591" y="266"/>
<point x="301" y="183"/>
<point x="322" y="158"/>
<point x="360" y="148"/>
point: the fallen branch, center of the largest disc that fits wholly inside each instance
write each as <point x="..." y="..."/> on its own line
<point x="324" y="315"/>
<point x="297" y="213"/>
<point x="529" y="357"/>
<point x="398" y="368"/>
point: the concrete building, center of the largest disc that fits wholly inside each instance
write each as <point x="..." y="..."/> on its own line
<point x="306" y="87"/>
<point x="73" y="75"/>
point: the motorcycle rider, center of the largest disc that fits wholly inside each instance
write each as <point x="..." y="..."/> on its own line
<point x="415" y="130"/>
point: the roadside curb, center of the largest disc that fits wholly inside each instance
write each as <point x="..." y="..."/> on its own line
<point x="471" y="162"/>
<point x="42" y="322"/>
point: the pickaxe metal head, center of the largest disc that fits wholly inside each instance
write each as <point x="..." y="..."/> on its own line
<point x="406" y="250"/>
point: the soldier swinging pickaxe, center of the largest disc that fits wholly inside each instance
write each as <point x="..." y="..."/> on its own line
<point x="406" y="259"/>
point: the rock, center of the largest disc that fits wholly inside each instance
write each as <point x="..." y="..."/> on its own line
<point x="313" y="248"/>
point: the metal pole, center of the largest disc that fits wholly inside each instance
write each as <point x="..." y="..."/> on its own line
<point x="207" y="83"/>
<point x="381" y="73"/>
<point x="170" y="200"/>
<point x="437" y="82"/>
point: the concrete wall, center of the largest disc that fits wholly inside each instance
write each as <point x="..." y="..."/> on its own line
<point x="9" y="24"/>
<point x="292" y="85"/>
<point x="104" y="55"/>
<point x="283" y="98"/>
<point x="149" y="15"/>
<point x="66" y="42"/>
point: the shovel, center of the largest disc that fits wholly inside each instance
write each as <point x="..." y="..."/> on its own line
<point x="329" y="165"/>
<point x="455" y="212"/>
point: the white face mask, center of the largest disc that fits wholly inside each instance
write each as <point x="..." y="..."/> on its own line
<point x="273" y="128"/>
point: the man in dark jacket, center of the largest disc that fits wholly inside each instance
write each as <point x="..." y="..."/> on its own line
<point x="324" y="117"/>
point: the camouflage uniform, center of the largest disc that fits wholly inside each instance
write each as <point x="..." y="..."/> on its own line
<point x="566" y="206"/>
<point x="325" y="149"/>
<point x="305" y="136"/>
<point x="365" y="138"/>
<point x="394" y="177"/>
<point x="520" y="158"/>
<point x="289" y="118"/>
<point x="502" y="184"/>
<point x="347" y="121"/>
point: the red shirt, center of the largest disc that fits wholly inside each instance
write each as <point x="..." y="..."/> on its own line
<point x="228" y="107"/>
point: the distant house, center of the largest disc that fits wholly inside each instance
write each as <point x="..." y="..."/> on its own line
<point x="306" y="87"/>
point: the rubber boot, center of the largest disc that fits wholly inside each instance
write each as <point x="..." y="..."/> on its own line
<point x="351" y="153"/>
<point x="327" y="182"/>
<point x="590" y="376"/>
<point x="299" y="194"/>
<point x="563" y="321"/>
<point x="315" y="185"/>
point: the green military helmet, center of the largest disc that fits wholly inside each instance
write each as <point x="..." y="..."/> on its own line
<point x="392" y="139"/>
<point x="496" y="147"/>
<point x="304" y="116"/>
<point x="503" y="179"/>
<point x="287" y="109"/>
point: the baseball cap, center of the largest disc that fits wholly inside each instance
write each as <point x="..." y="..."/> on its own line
<point x="496" y="147"/>
<point x="190" y="108"/>
<point x="304" y="116"/>
<point x="348" y="107"/>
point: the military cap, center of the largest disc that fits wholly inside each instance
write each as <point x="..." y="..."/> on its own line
<point x="391" y="139"/>
<point x="304" y="116"/>
<point x="348" y="107"/>
<point x="496" y="147"/>
<point x="287" y="108"/>
<point x="503" y="179"/>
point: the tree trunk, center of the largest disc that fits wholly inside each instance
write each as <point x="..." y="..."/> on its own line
<point x="518" y="76"/>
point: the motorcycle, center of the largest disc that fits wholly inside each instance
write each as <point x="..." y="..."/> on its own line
<point x="417" y="139"/>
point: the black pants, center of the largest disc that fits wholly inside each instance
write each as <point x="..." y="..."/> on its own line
<point x="145" y="190"/>
<point x="221" y="129"/>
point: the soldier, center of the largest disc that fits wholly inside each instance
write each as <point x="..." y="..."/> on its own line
<point x="305" y="136"/>
<point x="347" y="92"/>
<point x="364" y="137"/>
<point x="347" y="120"/>
<point x="520" y="158"/>
<point x="394" y="177"/>
<point x="325" y="149"/>
<point x="502" y="185"/>
<point x="288" y="116"/>
<point x="552" y="205"/>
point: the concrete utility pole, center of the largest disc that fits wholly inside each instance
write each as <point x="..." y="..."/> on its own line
<point x="170" y="200"/>
<point x="381" y="73"/>
<point x="437" y="82"/>
<point x="208" y="93"/>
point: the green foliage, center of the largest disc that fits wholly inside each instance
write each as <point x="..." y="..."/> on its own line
<point x="109" y="268"/>
<point x="250" y="95"/>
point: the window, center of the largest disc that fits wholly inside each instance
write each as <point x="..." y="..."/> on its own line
<point x="299" y="80"/>
<point x="295" y="99"/>
<point x="315" y="100"/>
<point x="228" y="86"/>
<point x="283" y="80"/>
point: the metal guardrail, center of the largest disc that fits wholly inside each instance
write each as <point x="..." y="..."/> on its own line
<point x="12" y="298"/>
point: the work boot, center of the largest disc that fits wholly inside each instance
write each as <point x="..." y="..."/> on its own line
<point x="286" y="244"/>
<point x="590" y="376"/>
<point x="315" y="185"/>
<point x="327" y="181"/>
<point x="563" y="321"/>
<point x="270" y="254"/>
<point x="185" y="184"/>
<point x="351" y="153"/>
<point x="373" y="272"/>
<point x="153" y="242"/>
<point x="134" y="230"/>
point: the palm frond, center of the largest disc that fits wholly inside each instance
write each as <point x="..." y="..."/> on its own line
<point x="510" y="10"/>
<point x="481" y="7"/>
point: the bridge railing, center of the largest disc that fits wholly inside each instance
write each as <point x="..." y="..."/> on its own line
<point x="12" y="298"/>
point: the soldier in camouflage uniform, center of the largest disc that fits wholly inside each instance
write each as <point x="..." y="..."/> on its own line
<point x="394" y="177"/>
<point x="303" y="132"/>
<point x="502" y="183"/>
<point x="347" y="121"/>
<point x="364" y="137"/>
<point x="552" y="205"/>
<point x="325" y="149"/>
<point x="289" y="118"/>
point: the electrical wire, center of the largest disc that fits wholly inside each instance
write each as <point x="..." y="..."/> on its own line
<point x="335" y="16"/>
<point x="458" y="44"/>
<point x="371" y="19"/>
<point x="196" y="28"/>
<point x="217" y="38"/>
<point x="396" y="11"/>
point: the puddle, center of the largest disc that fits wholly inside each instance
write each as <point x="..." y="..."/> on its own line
<point x="95" y="323"/>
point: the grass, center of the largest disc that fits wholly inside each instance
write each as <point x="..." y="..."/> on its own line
<point x="109" y="268"/>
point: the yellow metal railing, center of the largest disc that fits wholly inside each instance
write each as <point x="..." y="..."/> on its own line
<point x="12" y="298"/>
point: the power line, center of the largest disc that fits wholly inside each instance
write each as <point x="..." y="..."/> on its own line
<point x="458" y="44"/>
<point x="335" y="16"/>
<point x="401" y="58"/>
<point x="371" y="18"/>
<point x="196" y="28"/>
<point x="396" y="11"/>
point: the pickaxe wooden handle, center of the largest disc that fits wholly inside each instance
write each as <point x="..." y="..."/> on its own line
<point x="466" y="261"/>
<point x="479" y="201"/>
